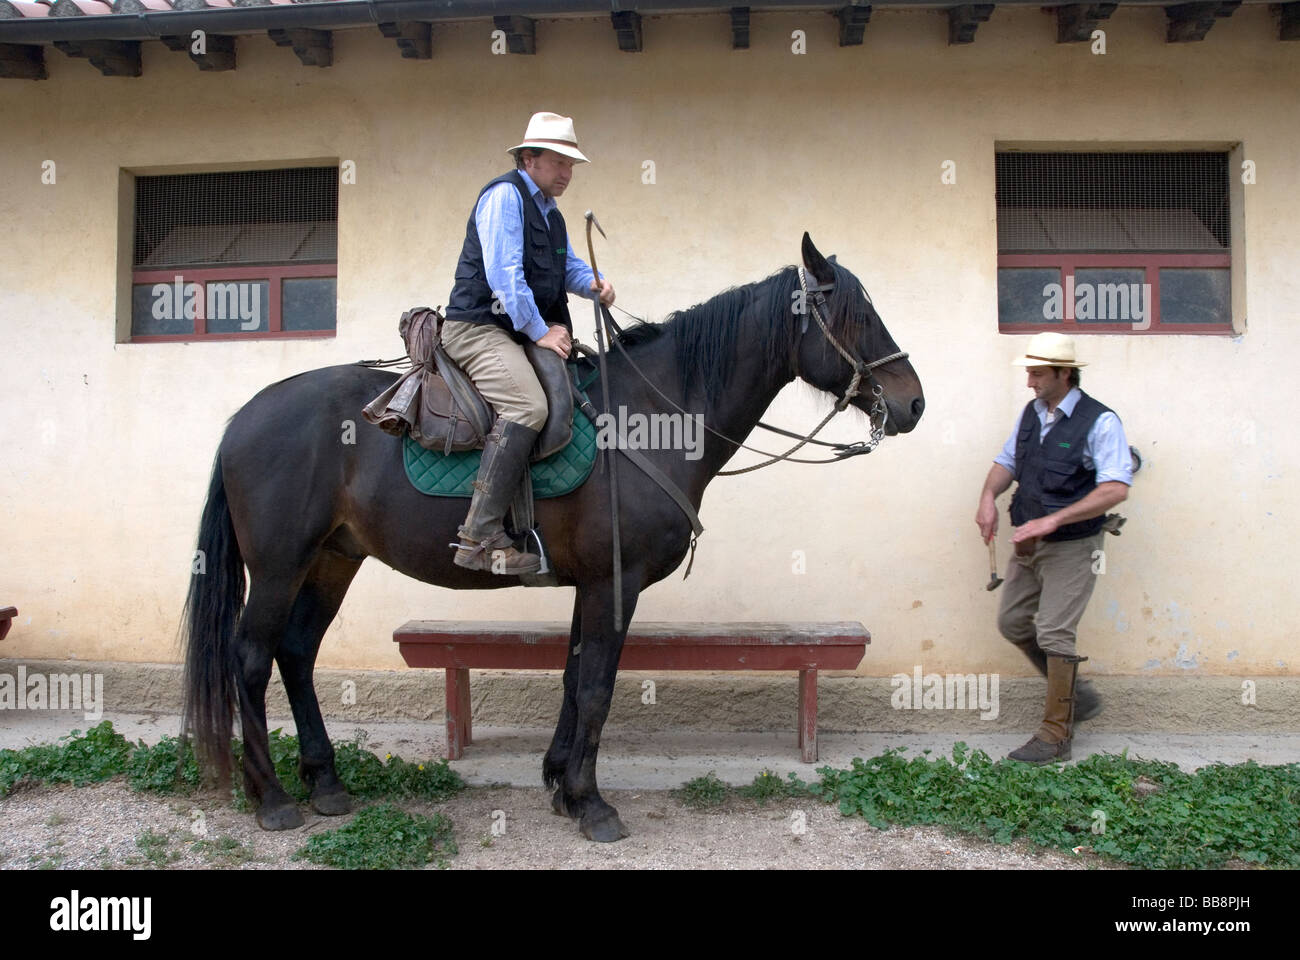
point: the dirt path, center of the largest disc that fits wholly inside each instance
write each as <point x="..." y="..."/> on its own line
<point x="109" y="826"/>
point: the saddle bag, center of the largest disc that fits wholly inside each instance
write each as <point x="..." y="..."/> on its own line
<point x="421" y="401"/>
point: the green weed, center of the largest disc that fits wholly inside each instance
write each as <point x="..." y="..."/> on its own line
<point x="769" y="786"/>
<point x="383" y="837"/>
<point x="1201" y="820"/>
<point x="98" y="754"/>
<point x="704" y="792"/>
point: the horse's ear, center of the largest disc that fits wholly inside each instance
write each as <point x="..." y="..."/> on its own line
<point x="815" y="262"/>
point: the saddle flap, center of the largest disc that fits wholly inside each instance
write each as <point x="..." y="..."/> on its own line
<point x="462" y="389"/>
<point x="553" y="374"/>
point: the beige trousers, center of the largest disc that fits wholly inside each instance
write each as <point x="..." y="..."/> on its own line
<point x="1045" y="594"/>
<point x="499" y="368"/>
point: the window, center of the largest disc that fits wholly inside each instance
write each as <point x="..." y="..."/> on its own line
<point x="238" y="255"/>
<point x="1114" y="242"/>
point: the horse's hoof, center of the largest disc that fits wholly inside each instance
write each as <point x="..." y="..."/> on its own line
<point x="331" y="803"/>
<point x="284" y="817"/>
<point x="604" y="827"/>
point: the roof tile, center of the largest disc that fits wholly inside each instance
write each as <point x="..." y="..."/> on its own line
<point x="16" y="9"/>
<point x="80" y="8"/>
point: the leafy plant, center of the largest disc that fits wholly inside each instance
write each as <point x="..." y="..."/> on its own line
<point x="153" y="846"/>
<point x="223" y="851"/>
<point x="98" y="754"/>
<point x="704" y="792"/>
<point x="1179" y="820"/>
<point x="769" y="786"/>
<point x="169" y="766"/>
<point x="383" y="837"/>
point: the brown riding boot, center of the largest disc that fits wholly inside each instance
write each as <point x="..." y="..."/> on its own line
<point x="1087" y="701"/>
<point x="484" y="543"/>
<point x="1053" y="739"/>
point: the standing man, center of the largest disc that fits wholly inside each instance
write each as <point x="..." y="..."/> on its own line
<point x="1071" y="461"/>
<point x="511" y="282"/>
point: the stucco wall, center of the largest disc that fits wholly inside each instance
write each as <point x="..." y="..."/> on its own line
<point x="107" y="446"/>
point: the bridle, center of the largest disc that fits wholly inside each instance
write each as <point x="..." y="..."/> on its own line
<point x="814" y="297"/>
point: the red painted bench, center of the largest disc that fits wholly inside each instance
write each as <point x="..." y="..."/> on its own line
<point x="7" y="615"/>
<point x="496" y="645"/>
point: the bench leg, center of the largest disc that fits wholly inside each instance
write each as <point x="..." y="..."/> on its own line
<point x="457" y="712"/>
<point x="466" y="714"/>
<point x="808" y="715"/>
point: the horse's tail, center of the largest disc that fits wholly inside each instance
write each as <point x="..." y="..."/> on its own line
<point x="208" y="624"/>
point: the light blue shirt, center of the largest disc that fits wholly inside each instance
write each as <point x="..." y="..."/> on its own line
<point x="499" y="218"/>
<point x="1105" y="449"/>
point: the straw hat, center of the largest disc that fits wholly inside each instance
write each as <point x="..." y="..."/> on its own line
<point x="1049" y="350"/>
<point x="550" y="131"/>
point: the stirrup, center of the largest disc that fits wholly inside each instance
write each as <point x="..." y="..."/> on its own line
<point x="483" y="555"/>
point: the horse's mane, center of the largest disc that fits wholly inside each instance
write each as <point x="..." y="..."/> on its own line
<point x="761" y="313"/>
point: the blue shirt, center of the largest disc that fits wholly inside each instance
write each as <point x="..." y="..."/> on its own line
<point x="1105" y="450"/>
<point x="499" y="219"/>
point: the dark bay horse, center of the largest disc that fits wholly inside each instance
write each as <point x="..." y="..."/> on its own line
<point x="301" y="507"/>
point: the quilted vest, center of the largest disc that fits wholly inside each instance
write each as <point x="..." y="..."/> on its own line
<point x="1051" y="474"/>
<point x="545" y="256"/>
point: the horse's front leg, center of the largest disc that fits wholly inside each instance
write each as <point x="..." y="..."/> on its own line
<point x="557" y="756"/>
<point x="598" y="660"/>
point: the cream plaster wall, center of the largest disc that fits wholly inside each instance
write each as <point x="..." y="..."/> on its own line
<point x="106" y="447"/>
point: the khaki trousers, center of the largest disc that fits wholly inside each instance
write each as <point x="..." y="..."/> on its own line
<point x="1045" y="595"/>
<point x="499" y="368"/>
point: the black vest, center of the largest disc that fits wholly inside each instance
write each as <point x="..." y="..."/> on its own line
<point x="1051" y="474"/>
<point x="545" y="256"/>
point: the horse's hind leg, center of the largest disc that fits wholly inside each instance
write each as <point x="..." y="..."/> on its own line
<point x="557" y="757"/>
<point x="314" y="609"/>
<point x="256" y="643"/>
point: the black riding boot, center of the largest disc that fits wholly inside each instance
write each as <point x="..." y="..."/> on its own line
<point x="484" y="543"/>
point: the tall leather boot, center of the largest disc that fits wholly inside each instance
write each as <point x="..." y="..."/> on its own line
<point x="1087" y="699"/>
<point x="484" y="543"/>
<point x="1056" y="733"/>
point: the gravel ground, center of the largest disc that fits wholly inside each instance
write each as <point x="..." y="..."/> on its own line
<point x="102" y="826"/>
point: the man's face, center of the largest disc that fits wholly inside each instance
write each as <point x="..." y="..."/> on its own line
<point x="1049" y="383"/>
<point x="551" y="171"/>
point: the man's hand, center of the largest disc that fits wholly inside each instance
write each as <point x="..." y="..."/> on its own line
<point x="1105" y="495"/>
<point x="1042" y="527"/>
<point x="987" y="518"/>
<point x="557" y="338"/>
<point x="606" y="291"/>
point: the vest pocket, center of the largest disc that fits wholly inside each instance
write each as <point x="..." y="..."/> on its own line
<point x="1059" y="478"/>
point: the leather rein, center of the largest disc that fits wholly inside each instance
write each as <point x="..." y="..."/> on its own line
<point x="814" y="298"/>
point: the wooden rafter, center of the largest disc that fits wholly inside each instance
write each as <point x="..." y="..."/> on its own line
<point x="963" y="21"/>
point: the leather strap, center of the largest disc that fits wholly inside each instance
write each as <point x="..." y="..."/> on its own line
<point x="650" y="470"/>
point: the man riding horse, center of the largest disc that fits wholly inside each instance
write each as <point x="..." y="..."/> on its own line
<point x="515" y="268"/>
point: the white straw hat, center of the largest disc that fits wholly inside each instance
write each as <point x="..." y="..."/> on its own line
<point x="550" y="131"/>
<point x="1049" y="350"/>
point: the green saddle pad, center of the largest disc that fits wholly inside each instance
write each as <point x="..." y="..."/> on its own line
<point x="452" y="475"/>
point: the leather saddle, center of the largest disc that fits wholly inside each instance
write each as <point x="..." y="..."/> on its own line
<point x="437" y="403"/>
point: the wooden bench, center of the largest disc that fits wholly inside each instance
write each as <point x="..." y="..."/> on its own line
<point x="7" y="615"/>
<point x="497" y="645"/>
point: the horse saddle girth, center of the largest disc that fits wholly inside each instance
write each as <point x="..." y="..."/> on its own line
<point x="438" y="404"/>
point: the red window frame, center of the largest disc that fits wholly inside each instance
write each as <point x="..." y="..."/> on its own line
<point x="275" y="277"/>
<point x="1151" y="263"/>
